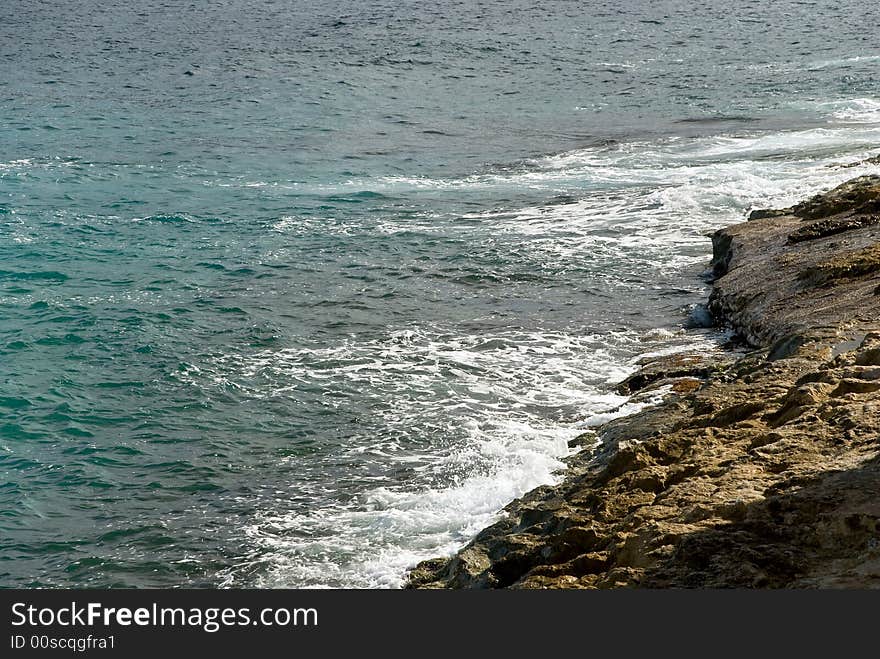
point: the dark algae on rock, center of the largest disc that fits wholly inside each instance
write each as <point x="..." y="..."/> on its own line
<point x="759" y="469"/>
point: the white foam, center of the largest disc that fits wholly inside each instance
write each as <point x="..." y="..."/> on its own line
<point x="504" y="453"/>
<point x="655" y="163"/>
<point x="16" y="164"/>
<point x="508" y="404"/>
<point x="373" y="543"/>
<point x="858" y="110"/>
<point x="830" y="63"/>
<point x="21" y="164"/>
<point x="626" y="409"/>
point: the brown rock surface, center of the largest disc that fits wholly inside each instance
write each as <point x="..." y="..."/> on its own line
<point x="758" y="470"/>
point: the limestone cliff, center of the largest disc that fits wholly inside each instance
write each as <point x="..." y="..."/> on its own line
<point x="760" y="468"/>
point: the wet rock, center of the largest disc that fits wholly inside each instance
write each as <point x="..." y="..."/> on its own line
<point x="844" y="197"/>
<point x="669" y="369"/>
<point x="764" y="213"/>
<point x="722" y="253"/>
<point x="831" y="226"/>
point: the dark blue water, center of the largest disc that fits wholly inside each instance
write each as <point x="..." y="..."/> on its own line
<point x="297" y="295"/>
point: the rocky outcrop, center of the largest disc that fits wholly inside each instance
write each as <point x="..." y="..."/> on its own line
<point x="760" y="468"/>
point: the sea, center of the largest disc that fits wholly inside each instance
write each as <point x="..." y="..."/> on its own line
<point x="298" y="294"/>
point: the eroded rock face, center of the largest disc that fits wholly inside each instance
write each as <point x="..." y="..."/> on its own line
<point x="763" y="472"/>
<point x="785" y="276"/>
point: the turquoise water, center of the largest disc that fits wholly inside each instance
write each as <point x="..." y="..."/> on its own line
<point x="297" y="296"/>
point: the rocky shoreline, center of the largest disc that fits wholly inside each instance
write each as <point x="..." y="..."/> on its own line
<point x="760" y="467"/>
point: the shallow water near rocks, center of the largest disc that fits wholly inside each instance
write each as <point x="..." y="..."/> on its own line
<point x="298" y="296"/>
